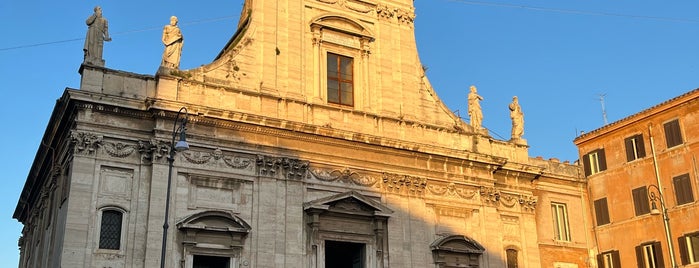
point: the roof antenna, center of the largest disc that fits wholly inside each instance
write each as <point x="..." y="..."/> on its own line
<point x="604" y="110"/>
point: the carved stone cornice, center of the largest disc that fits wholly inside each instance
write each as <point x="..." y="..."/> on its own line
<point x="344" y="175"/>
<point x="119" y="149"/>
<point x="404" y="184"/>
<point x="85" y="142"/>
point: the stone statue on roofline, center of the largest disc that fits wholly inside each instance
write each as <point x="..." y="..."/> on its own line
<point x="97" y="34"/>
<point x="474" y="108"/>
<point x="517" y="119"/>
<point x="173" y="41"/>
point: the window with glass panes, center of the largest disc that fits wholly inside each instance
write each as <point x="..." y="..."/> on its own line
<point x="561" y="229"/>
<point x="340" y="79"/>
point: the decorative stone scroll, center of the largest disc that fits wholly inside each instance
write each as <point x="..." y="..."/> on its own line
<point x="345" y="175"/>
<point x="85" y="142"/>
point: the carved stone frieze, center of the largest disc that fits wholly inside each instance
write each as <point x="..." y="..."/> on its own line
<point x="385" y="12"/>
<point x="345" y="175"/>
<point x="354" y="5"/>
<point x="118" y="149"/>
<point x="85" y="142"/>
<point x="494" y="197"/>
<point x="153" y="149"/>
<point x="451" y="190"/>
<point x="490" y="194"/>
<point x="294" y="169"/>
<point x="214" y="157"/>
<point x="267" y="165"/>
<point x="291" y="169"/>
<point x="404" y="184"/>
<point x="405" y="16"/>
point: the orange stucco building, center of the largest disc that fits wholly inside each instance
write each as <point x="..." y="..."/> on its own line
<point x="643" y="175"/>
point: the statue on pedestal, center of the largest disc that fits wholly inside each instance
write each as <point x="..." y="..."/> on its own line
<point x="474" y="108"/>
<point x="97" y="33"/>
<point x="173" y="41"/>
<point x="517" y="119"/>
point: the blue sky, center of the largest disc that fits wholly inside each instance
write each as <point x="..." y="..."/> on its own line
<point x="558" y="57"/>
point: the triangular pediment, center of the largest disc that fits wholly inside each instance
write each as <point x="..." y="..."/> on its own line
<point x="349" y="202"/>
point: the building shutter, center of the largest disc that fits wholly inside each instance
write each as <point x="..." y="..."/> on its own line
<point x="641" y="150"/>
<point x="628" y="144"/>
<point x="601" y="211"/>
<point x="683" y="189"/>
<point x="673" y="136"/>
<point x="640" y="200"/>
<point x="616" y="260"/>
<point x="658" y="252"/>
<point x="586" y="164"/>
<point x="684" y="253"/>
<point x="602" y="160"/>
<point x="639" y="257"/>
<point x="600" y="260"/>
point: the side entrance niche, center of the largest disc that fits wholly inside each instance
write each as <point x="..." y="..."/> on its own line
<point x="347" y="230"/>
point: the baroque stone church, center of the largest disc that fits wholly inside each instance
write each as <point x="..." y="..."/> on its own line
<point x="314" y="140"/>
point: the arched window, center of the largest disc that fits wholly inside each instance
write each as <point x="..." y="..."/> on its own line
<point x="110" y="229"/>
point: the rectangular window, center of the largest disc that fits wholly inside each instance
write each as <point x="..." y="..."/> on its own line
<point x="601" y="211"/>
<point x="640" y="200"/>
<point x="634" y="147"/>
<point x="650" y="255"/>
<point x="673" y="136"/>
<point x="340" y="80"/>
<point x="594" y="162"/>
<point x="609" y="259"/>
<point x="683" y="189"/>
<point x="689" y="248"/>
<point x="561" y="230"/>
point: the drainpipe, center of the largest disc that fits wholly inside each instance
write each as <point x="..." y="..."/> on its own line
<point x="666" y="218"/>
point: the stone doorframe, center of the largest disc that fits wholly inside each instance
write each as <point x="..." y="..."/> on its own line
<point x="456" y="251"/>
<point x="347" y="217"/>
<point x="212" y="233"/>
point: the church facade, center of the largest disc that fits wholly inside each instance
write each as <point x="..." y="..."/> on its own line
<point x="315" y="140"/>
